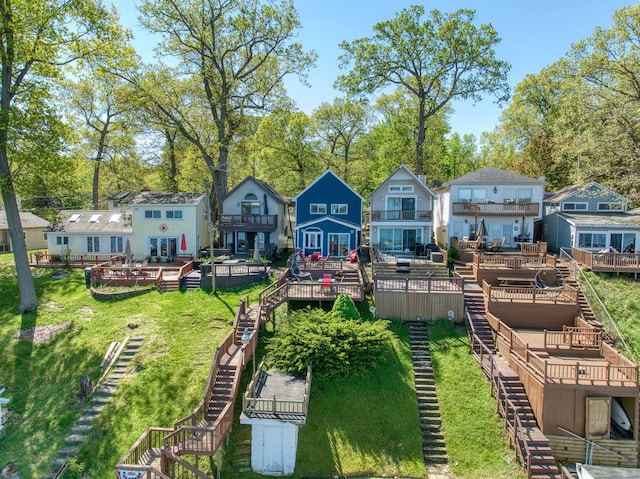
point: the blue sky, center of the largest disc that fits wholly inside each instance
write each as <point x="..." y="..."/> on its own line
<point x="534" y="33"/>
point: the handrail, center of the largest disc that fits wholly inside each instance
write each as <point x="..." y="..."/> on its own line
<point x="592" y="443"/>
<point x="582" y="279"/>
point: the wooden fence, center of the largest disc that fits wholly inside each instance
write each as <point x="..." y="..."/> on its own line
<point x="609" y="262"/>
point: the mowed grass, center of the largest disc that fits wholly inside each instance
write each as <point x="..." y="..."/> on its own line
<point x="473" y="431"/>
<point x="181" y="330"/>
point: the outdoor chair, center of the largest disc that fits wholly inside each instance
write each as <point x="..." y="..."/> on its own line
<point x="326" y="283"/>
<point x="299" y="275"/>
<point x="495" y="244"/>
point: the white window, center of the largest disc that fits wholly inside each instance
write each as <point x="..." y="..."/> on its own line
<point x="400" y="188"/>
<point x="173" y="214"/>
<point x="74" y="217"/>
<point x="318" y="209"/>
<point x="339" y="209"/>
<point x="592" y="240"/>
<point x="474" y="195"/>
<point x="574" y="207"/>
<point x="94" y="218"/>
<point x="62" y="240"/>
<point x="93" y="244"/>
<point x="610" y="207"/>
<point x="313" y="239"/>
<point x="116" y="244"/>
<point x="152" y="214"/>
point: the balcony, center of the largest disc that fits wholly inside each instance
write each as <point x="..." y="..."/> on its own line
<point x="495" y="209"/>
<point x="252" y="223"/>
<point x="402" y="215"/>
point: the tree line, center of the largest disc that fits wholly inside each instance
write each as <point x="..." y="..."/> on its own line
<point x="82" y="116"/>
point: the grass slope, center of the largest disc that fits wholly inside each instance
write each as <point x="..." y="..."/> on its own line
<point x="473" y="431"/>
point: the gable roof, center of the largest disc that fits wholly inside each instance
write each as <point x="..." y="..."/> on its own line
<point x="404" y="167"/>
<point x="156" y="198"/>
<point x="571" y="190"/>
<point x="27" y="220"/>
<point x="492" y="176"/>
<point x="327" y="172"/>
<point x="104" y="221"/>
<point x="330" y="219"/>
<point x="262" y="184"/>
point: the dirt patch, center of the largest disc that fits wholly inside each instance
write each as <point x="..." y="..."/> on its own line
<point x="50" y="306"/>
<point x="85" y="311"/>
<point x="41" y="334"/>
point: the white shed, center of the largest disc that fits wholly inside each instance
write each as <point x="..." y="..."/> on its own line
<point x="275" y="405"/>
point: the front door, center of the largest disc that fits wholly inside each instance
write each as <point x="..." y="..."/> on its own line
<point x="242" y="245"/>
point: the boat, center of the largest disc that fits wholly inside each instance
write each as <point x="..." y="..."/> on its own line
<point x="619" y="417"/>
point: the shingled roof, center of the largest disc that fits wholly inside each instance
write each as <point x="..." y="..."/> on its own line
<point x="28" y="220"/>
<point x="492" y="176"/>
<point x="155" y="198"/>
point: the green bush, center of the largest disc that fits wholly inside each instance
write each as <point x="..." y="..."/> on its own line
<point x="345" y="307"/>
<point x="331" y="345"/>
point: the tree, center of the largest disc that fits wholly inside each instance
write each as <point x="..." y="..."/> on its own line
<point x="340" y="125"/>
<point x="233" y="55"/>
<point x="37" y="38"/>
<point x="445" y="58"/>
<point x="104" y="117"/>
<point x="334" y="346"/>
<point x="288" y="151"/>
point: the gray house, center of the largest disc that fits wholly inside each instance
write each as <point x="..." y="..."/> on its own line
<point x="590" y="217"/>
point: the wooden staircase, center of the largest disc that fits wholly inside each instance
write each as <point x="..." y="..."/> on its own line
<point x="433" y="445"/>
<point x="531" y="445"/>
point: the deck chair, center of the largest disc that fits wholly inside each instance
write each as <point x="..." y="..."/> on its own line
<point x="326" y="283"/>
<point x="495" y="244"/>
<point x="299" y="275"/>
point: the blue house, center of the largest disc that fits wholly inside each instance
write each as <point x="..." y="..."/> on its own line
<point x="328" y="217"/>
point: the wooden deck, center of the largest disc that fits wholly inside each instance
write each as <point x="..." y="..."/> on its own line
<point x="628" y="263"/>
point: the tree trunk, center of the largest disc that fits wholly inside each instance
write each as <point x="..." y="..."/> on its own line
<point x="28" y="297"/>
<point x="421" y="136"/>
<point x="96" y="183"/>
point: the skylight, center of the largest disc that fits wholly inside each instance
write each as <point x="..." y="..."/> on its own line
<point x="74" y="218"/>
<point x="115" y="218"/>
<point x="94" y="218"/>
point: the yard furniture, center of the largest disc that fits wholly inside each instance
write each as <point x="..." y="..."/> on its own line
<point x="299" y="275"/>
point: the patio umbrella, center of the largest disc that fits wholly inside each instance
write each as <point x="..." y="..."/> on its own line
<point x="183" y="243"/>
<point x="256" y="248"/>
<point x="482" y="229"/>
<point x="127" y="251"/>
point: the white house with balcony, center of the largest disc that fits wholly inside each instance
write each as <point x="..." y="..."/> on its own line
<point x="510" y="204"/>
<point x="401" y="215"/>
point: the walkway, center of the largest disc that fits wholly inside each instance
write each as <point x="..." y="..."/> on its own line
<point x="100" y="398"/>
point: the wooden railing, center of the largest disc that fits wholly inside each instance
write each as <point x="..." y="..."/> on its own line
<point x="618" y="370"/>
<point x="578" y="338"/>
<point x="241" y="269"/>
<point x="151" y="439"/>
<point x="465" y="246"/>
<point x="262" y="222"/>
<point x="401" y="215"/>
<point x="567" y="294"/>
<point x="607" y="262"/>
<point x="253" y="404"/>
<point x="484" y="261"/>
<point x="431" y="284"/>
<point x="533" y="249"/>
<point x="79" y="260"/>
<point x="495" y="209"/>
